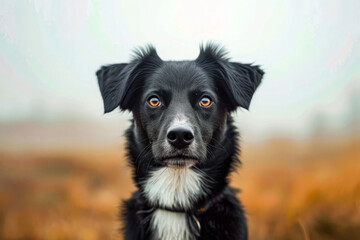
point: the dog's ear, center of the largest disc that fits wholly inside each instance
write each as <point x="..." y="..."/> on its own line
<point x="112" y="81"/>
<point x="238" y="81"/>
<point x="118" y="83"/>
<point x="242" y="81"/>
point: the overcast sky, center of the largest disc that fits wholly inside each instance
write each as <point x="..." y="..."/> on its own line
<point x="310" y="51"/>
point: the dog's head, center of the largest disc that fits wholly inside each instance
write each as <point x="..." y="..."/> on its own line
<point x="179" y="107"/>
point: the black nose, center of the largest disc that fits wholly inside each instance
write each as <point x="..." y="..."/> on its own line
<point x="180" y="137"/>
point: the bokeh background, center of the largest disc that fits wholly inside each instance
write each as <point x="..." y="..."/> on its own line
<point x="62" y="167"/>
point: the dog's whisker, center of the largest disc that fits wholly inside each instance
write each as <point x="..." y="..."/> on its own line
<point x="147" y="169"/>
<point x="204" y="174"/>
<point x="139" y="156"/>
<point x="210" y="150"/>
<point x="220" y="145"/>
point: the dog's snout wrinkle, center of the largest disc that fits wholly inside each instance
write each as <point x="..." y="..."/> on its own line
<point x="180" y="136"/>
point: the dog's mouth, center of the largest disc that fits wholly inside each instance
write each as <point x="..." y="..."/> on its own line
<point x="180" y="161"/>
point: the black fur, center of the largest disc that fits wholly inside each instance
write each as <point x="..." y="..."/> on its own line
<point x="179" y="85"/>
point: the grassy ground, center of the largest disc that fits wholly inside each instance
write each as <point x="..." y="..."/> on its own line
<point x="291" y="190"/>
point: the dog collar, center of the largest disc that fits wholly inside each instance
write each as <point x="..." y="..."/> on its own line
<point x="191" y="216"/>
<point x="198" y="211"/>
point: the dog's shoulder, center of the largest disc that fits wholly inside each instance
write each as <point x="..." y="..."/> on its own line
<point x="225" y="218"/>
<point x="133" y="227"/>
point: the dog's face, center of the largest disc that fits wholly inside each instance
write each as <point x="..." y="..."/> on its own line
<point x="179" y="108"/>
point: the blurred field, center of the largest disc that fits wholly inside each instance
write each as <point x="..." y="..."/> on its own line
<point x="290" y="189"/>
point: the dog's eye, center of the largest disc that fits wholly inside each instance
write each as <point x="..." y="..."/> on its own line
<point x="205" y="102"/>
<point x="154" y="102"/>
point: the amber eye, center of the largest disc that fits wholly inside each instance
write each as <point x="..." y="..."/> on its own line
<point x="154" y="102"/>
<point x="205" y="102"/>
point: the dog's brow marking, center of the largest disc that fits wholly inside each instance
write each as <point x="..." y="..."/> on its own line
<point x="170" y="226"/>
<point x="179" y="119"/>
<point x="170" y="187"/>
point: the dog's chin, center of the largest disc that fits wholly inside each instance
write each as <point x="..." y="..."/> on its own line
<point x="179" y="163"/>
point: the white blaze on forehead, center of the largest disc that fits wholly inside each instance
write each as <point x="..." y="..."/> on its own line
<point x="179" y="119"/>
<point x="170" y="187"/>
<point x="170" y="226"/>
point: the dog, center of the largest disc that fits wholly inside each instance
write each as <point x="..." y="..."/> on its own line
<point x="182" y="143"/>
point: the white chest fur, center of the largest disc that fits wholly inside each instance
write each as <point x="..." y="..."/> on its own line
<point x="170" y="226"/>
<point x="169" y="187"/>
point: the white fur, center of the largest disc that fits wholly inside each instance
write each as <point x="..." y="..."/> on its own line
<point x="179" y="120"/>
<point x="170" y="226"/>
<point x="171" y="187"/>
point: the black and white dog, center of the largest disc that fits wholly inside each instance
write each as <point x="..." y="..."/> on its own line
<point x="181" y="144"/>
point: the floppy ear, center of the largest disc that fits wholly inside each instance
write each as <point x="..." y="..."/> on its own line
<point x="118" y="83"/>
<point x="242" y="81"/>
<point x="238" y="81"/>
<point x="112" y="81"/>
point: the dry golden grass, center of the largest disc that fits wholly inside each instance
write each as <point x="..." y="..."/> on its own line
<point x="302" y="190"/>
<point x="291" y="190"/>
